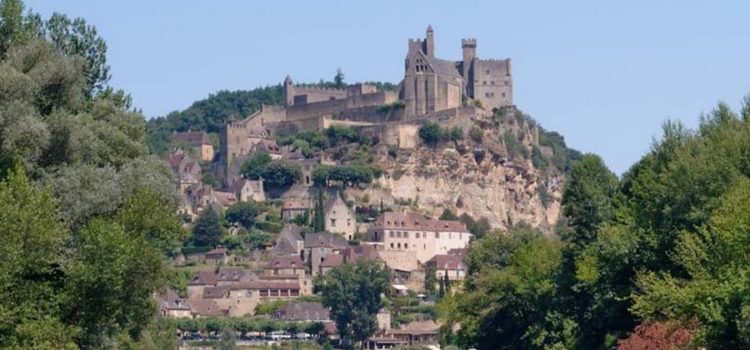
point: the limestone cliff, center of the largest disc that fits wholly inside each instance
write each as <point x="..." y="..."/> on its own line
<point x="500" y="172"/>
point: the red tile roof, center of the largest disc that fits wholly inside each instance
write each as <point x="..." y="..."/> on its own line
<point x="332" y="260"/>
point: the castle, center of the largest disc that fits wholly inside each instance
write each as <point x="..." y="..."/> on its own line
<point x="431" y="88"/>
<point x="432" y="84"/>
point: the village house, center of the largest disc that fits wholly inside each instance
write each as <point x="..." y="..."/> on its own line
<point x="232" y="275"/>
<point x="171" y="305"/>
<point x="285" y="265"/>
<point x="339" y="218"/>
<point x="217" y="255"/>
<point x="289" y="242"/>
<point x="221" y="200"/>
<point x="199" y="282"/>
<point x="319" y="245"/>
<point x="198" y="141"/>
<point x="293" y="207"/>
<point x="415" y="232"/>
<point x="187" y="170"/>
<point x="248" y="190"/>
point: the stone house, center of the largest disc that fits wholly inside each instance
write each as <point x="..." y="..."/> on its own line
<point x="329" y="262"/>
<point x="292" y="207"/>
<point x="198" y="141"/>
<point x="415" y="232"/>
<point x="319" y="245"/>
<point x="248" y="190"/>
<point x="232" y="275"/>
<point x="447" y="265"/>
<point x="285" y="265"/>
<point x="218" y="255"/>
<point x="199" y="282"/>
<point x="171" y="305"/>
<point x="289" y="242"/>
<point x="339" y="218"/>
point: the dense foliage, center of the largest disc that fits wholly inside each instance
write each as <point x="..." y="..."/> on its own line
<point x="274" y="172"/>
<point x="86" y="213"/>
<point x="656" y="259"/>
<point x="353" y="293"/>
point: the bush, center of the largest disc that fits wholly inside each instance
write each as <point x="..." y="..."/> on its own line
<point x="243" y="213"/>
<point x="455" y="134"/>
<point x="431" y="133"/>
<point x="346" y="174"/>
<point x="476" y="134"/>
<point x="538" y="159"/>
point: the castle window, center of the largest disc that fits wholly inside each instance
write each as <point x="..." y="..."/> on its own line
<point x="492" y="82"/>
<point x="399" y="246"/>
<point x="506" y="83"/>
<point x="487" y="71"/>
<point x="406" y="245"/>
<point x="503" y="94"/>
<point x="484" y="82"/>
<point x="391" y="245"/>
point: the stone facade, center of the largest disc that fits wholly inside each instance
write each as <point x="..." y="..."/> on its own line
<point x="432" y="84"/>
<point x="339" y="218"/>
<point x="414" y="232"/>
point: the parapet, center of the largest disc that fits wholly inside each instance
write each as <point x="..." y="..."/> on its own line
<point x="470" y="42"/>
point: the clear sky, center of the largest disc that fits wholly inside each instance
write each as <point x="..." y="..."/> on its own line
<point x="604" y="74"/>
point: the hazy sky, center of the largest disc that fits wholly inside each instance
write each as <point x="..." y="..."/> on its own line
<point x="604" y="75"/>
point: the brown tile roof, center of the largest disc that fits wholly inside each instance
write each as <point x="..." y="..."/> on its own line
<point x="327" y="240"/>
<point x="234" y="274"/>
<point x="302" y="312"/>
<point x="414" y="221"/>
<point x="332" y="260"/>
<point x="446" y="262"/>
<point x="171" y="301"/>
<point x="226" y="199"/>
<point x="215" y="292"/>
<point x="203" y="278"/>
<point x="237" y="186"/>
<point x="286" y="262"/>
<point x="417" y="327"/>
<point x="205" y="307"/>
<point x="193" y="138"/>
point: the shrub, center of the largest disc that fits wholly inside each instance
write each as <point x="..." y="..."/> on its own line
<point x="431" y="133"/>
<point x="476" y="134"/>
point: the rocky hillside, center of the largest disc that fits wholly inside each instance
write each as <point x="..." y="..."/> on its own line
<point x="506" y="169"/>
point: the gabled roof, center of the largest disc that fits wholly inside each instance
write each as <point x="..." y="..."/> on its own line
<point x="327" y="240"/>
<point x="226" y="199"/>
<point x="336" y="201"/>
<point x="255" y="185"/>
<point x="332" y="260"/>
<point x="443" y="67"/>
<point x="234" y="274"/>
<point x="417" y="327"/>
<point x="291" y="232"/>
<point x="205" y="307"/>
<point x="203" y="278"/>
<point x="446" y="262"/>
<point x="171" y="301"/>
<point x="286" y="262"/>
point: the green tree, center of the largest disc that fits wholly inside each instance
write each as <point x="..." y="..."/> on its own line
<point x="253" y="167"/>
<point x="338" y="79"/>
<point x="228" y="339"/>
<point x="207" y="229"/>
<point x="448" y="215"/>
<point x="353" y="293"/>
<point x="430" y="133"/>
<point x="243" y="213"/>
<point x="319" y="221"/>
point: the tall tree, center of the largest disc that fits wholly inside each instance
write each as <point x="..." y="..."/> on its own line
<point x="207" y="229"/>
<point x="338" y="79"/>
<point x="353" y="292"/>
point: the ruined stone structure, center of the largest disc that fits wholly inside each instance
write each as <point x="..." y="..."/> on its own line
<point x="432" y="84"/>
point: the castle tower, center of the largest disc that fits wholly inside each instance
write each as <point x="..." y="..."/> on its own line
<point x="469" y="48"/>
<point x="429" y="43"/>
<point x="288" y="91"/>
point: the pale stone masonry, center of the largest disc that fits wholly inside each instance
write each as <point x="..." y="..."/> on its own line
<point x="415" y="232"/>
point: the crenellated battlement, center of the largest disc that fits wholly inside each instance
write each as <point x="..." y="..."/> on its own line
<point x="307" y="88"/>
<point x="468" y="42"/>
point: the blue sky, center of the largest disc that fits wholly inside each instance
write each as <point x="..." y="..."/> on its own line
<point x="603" y="74"/>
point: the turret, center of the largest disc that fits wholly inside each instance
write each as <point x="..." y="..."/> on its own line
<point x="469" y="48"/>
<point x="429" y="43"/>
<point x="288" y="91"/>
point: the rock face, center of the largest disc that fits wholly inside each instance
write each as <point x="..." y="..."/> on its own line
<point x="484" y="179"/>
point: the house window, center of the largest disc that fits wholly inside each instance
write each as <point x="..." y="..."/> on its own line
<point x="391" y="245"/>
<point x="406" y="234"/>
<point x="503" y="94"/>
<point x="437" y="234"/>
<point x="391" y="233"/>
<point x="399" y="246"/>
<point x="484" y="82"/>
<point x="406" y="245"/>
<point x="417" y="235"/>
<point x="333" y="222"/>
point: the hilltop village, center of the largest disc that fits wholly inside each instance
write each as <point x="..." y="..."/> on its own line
<point x="312" y="184"/>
